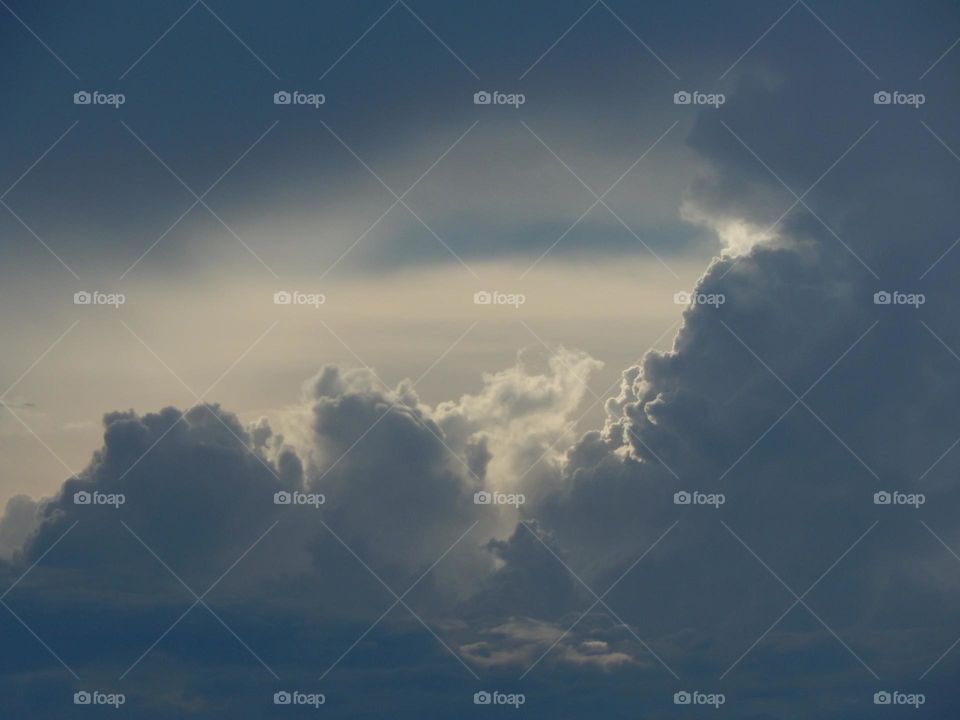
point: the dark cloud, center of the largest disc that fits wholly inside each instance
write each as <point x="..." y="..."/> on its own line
<point x="798" y="398"/>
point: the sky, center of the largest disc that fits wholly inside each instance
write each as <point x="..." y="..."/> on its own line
<point x="631" y="392"/>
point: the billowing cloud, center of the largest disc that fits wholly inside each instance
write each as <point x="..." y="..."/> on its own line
<point x="788" y="412"/>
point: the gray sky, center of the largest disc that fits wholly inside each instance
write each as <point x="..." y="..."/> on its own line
<point x="711" y="344"/>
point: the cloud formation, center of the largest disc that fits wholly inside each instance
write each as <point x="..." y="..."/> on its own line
<point x="799" y="399"/>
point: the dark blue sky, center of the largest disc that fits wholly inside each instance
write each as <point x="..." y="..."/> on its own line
<point x="798" y="393"/>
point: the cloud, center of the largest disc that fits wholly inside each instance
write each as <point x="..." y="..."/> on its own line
<point x="18" y="521"/>
<point x="798" y="399"/>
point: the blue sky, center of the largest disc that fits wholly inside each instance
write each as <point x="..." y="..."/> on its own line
<point x="588" y="307"/>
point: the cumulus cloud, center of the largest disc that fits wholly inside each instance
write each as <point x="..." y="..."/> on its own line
<point x="798" y="398"/>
